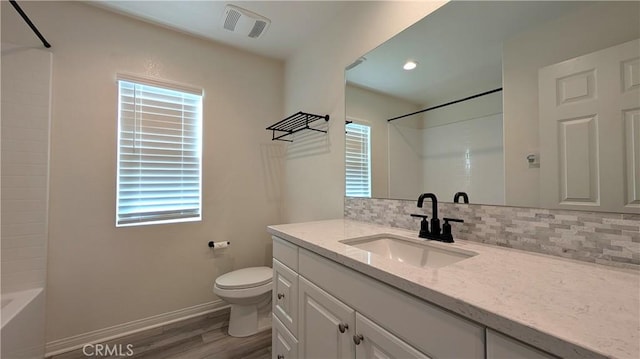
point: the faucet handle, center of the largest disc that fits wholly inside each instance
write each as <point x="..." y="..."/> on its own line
<point x="446" y="229"/>
<point x="453" y="220"/>
<point x="424" y="225"/>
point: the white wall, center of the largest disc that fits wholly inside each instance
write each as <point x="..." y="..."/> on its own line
<point x="463" y="151"/>
<point x="26" y="100"/>
<point x="374" y="109"/>
<point x="314" y="82"/>
<point x="594" y="27"/>
<point x="465" y="156"/>
<point x="405" y="158"/>
<point x="100" y="275"/>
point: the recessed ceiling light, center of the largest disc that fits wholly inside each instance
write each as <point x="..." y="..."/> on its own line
<point x="410" y="65"/>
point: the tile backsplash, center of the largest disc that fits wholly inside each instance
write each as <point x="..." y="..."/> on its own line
<point x="597" y="237"/>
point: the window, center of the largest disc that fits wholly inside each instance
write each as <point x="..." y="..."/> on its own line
<point x="358" y="160"/>
<point x="159" y="153"/>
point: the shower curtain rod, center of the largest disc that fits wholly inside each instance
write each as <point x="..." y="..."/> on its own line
<point x="31" y="25"/>
<point x="445" y="104"/>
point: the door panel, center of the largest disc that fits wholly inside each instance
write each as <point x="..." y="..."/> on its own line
<point x="587" y="155"/>
<point x="632" y="154"/>
<point x="579" y="160"/>
<point x="631" y="74"/>
<point x="576" y="87"/>
<point x="378" y="343"/>
<point x="320" y="317"/>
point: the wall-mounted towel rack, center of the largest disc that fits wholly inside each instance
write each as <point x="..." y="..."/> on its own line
<point x="295" y="123"/>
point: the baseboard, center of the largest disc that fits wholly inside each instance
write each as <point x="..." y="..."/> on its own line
<point x="68" y="344"/>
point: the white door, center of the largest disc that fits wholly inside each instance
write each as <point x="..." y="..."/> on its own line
<point x="589" y="131"/>
<point x="326" y="324"/>
<point x="374" y="342"/>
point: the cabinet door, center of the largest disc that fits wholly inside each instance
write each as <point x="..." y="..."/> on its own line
<point x="283" y="344"/>
<point x="377" y="343"/>
<point x="285" y="296"/>
<point x="500" y="346"/>
<point x="322" y="320"/>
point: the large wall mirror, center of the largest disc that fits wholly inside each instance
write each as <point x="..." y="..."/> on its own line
<point x="550" y="115"/>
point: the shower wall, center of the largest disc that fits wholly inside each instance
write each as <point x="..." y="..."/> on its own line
<point x="26" y="105"/>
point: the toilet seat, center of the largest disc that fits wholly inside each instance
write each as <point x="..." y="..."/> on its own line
<point x="242" y="293"/>
<point x="246" y="278"/>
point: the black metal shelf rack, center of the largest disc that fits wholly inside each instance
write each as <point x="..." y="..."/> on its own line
<point x="295" y="123"/>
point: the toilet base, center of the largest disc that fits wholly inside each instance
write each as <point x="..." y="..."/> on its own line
<point x="247" y="320"/>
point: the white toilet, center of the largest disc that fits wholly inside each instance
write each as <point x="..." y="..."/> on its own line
<point x="248" y="290"/>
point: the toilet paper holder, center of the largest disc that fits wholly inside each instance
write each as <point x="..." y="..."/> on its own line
<point x="222" y="244"/>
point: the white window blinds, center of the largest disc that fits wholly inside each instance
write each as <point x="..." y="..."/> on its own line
<point x="358" y="160"/>
<point x="159" y="154"/>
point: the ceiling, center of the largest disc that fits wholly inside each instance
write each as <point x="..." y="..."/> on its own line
<point x="458" y="48"/>
<point x="293" y="23"/>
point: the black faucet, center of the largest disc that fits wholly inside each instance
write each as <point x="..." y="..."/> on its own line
<point x="435" y="222"/>
<point x="464" y="196"/>
<point x="434" y="233"/>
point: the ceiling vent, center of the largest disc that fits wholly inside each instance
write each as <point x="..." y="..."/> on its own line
<point x="244" y="22"/>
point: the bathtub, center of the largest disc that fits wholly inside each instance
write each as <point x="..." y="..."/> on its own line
<point x="22" y="332"/>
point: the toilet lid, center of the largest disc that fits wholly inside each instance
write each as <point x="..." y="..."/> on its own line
<point x="245" y="278"/>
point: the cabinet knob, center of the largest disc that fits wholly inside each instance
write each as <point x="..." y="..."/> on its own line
<point x="343" y="327"/>
<point x="280" y="356"/>
<point x="358" y="338"/>
<point x="280" y="295"/>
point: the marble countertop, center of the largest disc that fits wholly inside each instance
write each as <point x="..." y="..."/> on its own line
<point x="568" y="308"/>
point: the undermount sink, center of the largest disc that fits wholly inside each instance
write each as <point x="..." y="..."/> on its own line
<point x="408" y="251"/>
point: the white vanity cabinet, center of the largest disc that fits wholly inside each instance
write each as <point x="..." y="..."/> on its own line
<point x="322" y="309"/>
<point x="345" y="314"/>
<point x="429" y="329"/>
<point x="331" y="329"/>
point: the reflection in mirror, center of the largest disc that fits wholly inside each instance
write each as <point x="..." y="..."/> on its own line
<point x="488" y="146"/>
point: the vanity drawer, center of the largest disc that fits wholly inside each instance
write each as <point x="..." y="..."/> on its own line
<point x="285" y="296"/>
<point x="285" y="252"/>
<point x="283" y="344"/>
<point x="427" y="327"/>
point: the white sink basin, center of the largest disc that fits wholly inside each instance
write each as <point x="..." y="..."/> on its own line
<point x="408" y="251"/>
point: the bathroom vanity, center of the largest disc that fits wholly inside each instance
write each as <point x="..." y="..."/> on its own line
<point x="346" y="289"/>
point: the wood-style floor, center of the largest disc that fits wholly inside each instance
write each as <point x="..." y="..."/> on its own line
<point x="201" y="337"/>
